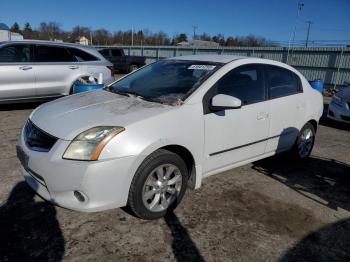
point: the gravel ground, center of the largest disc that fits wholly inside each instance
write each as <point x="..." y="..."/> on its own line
<point x="270" y="210"/>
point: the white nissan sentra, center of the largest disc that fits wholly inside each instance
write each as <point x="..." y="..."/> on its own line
<point x="142" y="141"/>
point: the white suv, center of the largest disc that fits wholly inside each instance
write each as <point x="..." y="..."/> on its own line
<point x="33" y="70"/>
<point x="142" y="140"/>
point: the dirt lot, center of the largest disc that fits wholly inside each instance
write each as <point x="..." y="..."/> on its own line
<point x="269" y="210"/>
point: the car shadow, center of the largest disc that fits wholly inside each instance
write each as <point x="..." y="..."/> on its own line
<point x="184" y="248"/>
<point x="20" y="106"/>
<point x="330" y="243"/>
<point x="325" y="181"/>
<point x="29" y="229"/>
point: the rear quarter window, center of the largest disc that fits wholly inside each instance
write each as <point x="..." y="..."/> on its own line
<point x="82" y="56"/>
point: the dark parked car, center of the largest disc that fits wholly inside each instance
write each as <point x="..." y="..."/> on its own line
<point x="121" y="61"/>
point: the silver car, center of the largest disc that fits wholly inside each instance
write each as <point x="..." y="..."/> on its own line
<point x="32" y="70"/>
<point x="339" y="108"/>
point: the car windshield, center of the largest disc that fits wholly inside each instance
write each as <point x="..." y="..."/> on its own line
<point x="166" y="81"/>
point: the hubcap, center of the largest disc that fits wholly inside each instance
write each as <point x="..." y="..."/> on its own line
<point x="162" y="187"/>
<point x="305" y="142"/>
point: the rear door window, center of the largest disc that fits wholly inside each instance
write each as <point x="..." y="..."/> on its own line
<point x="15" y="53"/>
<point x="282" y="82"/>
<point x="44" y="53"/>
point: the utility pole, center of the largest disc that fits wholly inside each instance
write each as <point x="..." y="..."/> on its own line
<point x="132" y="35"/>
<point x="308" y="33"/>
<point x="194" y="31"/>
<point x="291" y="40"/>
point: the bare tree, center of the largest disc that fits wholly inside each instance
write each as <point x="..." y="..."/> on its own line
<point x="50" y="30"/>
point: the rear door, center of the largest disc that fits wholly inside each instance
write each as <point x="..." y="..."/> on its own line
<point x="17" y="79"/>
<point x="55" y="69"/>
<point x="287" y="106"/>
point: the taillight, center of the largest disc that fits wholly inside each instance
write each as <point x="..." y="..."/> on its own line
<point x="112" y="70"/>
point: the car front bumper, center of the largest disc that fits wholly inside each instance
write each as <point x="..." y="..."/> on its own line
<point x="339" y="112"/>
<point x="103" y="184"/>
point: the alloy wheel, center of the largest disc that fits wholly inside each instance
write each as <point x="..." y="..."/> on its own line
<point x="306" y="141"/>
<point x="162" y="187"/>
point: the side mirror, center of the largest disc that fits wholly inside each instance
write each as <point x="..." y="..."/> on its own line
<point x="222" y="102"/>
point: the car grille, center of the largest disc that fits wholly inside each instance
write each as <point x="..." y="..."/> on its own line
<point x="346" y="118"/>
<point x="36" y="139"/>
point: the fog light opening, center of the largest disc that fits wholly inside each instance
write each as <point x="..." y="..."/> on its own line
<point x="79" y="196"/>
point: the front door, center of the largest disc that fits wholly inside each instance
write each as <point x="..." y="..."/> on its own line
<point x="235" y="135"/>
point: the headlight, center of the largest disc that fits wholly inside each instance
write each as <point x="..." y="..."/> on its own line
<point x="89" y="144"/>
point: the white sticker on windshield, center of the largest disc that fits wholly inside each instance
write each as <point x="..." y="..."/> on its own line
<point x="202" y="67"/>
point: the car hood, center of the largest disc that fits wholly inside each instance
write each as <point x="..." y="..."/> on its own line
<point x="344" y="93"/>
<point x="67" y="117"/>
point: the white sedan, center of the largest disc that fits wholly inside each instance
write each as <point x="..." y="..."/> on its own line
<point x="145" y="139"/>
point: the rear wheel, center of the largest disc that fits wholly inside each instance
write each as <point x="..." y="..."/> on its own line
<point x="158" y="185"/>
<point x="305" y="142"/>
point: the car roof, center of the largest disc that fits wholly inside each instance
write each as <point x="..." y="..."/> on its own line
<point x="46" y="42"/>
<point x="210" y="58"/>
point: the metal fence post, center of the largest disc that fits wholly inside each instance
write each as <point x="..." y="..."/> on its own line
<point x="339" y="63"/>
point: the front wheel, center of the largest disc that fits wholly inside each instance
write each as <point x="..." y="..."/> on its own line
<point x="305" y="142"/>
<point x="158" y="185"/>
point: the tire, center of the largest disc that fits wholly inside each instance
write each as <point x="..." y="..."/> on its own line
<point x="304" y="142"/>
<point x="133" y="67"/>
<point x="151" y="195"/>
<point x="71" y="90"/>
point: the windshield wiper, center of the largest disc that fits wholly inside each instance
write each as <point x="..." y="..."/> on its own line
<point x="119" y="92"/>
<point x="135" y="94"/>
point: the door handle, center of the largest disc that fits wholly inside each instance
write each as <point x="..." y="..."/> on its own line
<point x="24" y="68"/>
<point x="262" y="115"/>
<point x="73" y="67"/>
